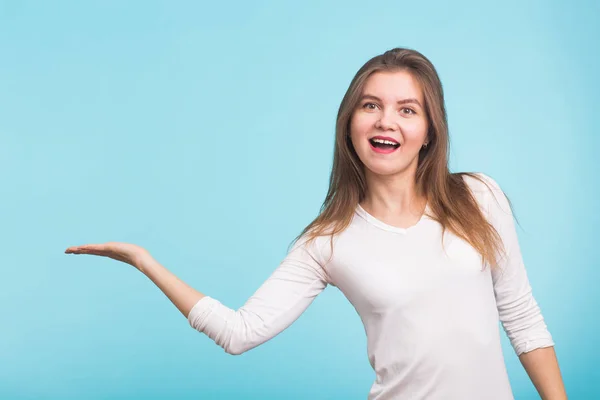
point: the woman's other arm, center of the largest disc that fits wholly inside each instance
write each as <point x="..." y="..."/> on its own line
<point x="517" y="308"/>
<point x="542" y="367"/>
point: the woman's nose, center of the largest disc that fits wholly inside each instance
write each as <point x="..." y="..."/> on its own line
<point x="386" y="121"/>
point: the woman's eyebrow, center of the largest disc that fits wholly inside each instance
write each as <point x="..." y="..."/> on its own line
<point x="403" y="101"/>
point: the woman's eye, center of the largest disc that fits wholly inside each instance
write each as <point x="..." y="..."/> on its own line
<point x="408" y="111"/>
<point x="370" y="106"/>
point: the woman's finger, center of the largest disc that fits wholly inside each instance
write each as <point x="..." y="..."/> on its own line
<point x="86" y="249"/>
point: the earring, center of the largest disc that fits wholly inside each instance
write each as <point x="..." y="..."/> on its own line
<point x="424" y="145"/>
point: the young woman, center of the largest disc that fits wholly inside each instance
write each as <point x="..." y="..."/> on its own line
<point x="429" y="259"/>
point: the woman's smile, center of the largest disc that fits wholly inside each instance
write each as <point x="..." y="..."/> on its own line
<point x="384" y="144"/>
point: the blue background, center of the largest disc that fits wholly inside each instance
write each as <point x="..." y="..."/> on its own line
<point x="204" y="132"/>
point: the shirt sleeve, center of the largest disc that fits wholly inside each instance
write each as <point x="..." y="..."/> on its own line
<point x="518" y="310"/>
<point x="279" y="301"/>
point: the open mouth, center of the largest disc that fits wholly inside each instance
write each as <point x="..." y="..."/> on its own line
<point x="382" y="145"/>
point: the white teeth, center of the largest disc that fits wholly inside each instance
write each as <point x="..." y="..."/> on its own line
<point x="384" y="141"/>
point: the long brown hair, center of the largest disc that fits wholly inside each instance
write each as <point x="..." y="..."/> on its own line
<point x="449" y="199"/>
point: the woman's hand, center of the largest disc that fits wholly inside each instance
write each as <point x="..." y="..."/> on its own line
<point x="125" y="252"/>
<point x="183" y="296"/>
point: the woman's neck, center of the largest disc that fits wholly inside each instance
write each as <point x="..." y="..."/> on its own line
<point x="393" y="197"/>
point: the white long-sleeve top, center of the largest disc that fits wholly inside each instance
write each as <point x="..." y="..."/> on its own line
<point x="430" y="312"/>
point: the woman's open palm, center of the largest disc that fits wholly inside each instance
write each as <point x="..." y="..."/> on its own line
<point x="124" y="252"/>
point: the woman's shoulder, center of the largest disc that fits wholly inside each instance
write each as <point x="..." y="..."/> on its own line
<point x="488" y="192"/>
<point x="479" y="182"/>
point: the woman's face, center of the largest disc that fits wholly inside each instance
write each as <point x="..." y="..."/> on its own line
<point x="389" y="125"/>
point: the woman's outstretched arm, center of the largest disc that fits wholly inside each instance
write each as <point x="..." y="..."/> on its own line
<point x="280" y="300"/>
